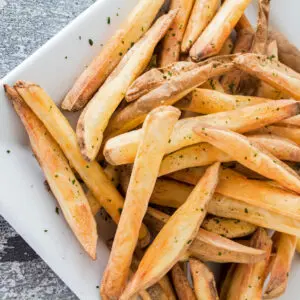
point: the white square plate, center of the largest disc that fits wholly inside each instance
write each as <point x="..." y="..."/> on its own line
<point x="24" y="201"/>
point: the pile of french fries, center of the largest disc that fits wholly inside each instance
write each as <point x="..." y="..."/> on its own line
<point x="200" y="152"/>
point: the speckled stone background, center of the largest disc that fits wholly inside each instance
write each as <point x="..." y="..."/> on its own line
<point x="25" y="25"/>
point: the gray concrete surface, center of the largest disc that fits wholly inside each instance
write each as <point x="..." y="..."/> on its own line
<point x="25" y="25"/>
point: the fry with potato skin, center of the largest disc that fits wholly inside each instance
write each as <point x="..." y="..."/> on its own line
<point x="208" y="246"/>
<point x="206" y="101"/>
<point x="203" y="281"/>
<point x="175" y="236"/>
<point x="229" y="228"/>
<point x="94" y="118"/>
<point x="172" y="41"/>
<point x="215" y="34"/>
<point x="59" y="175"/>
<point x="103" y="64"/>
<point x="181" y="284"/>
<point x="122" y="149"/>
<point x="288" y="53"/>
<point x="248" y="279"/>
<point x="271" y="71"/>
<point x="156" y="132"/>
<point x="251" y="155"/>
<point x="227" y="282"/>
<point x="166" y="94"/>
<point x="280" y="147"/>
<point x="285" y="246"/>
<point x="231" y="80"/>
<point x="91" y="173"/>
<point x="202" y="13"/>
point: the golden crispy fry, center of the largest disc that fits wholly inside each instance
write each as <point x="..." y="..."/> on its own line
<point x="59" y="175"/>
<point x="231" y="80"/>
<point x="168" y="93"/>
<point x="94" y="119"/>
<point x="167" y="288"/>
<point x="172" y="41"/>
<point x="227" y="47"/>
<point x="155" y="78"/>
<point x="103" y="64"/>
<point x="122" y="149"/>
<point x="227" y="282"/>
<point x="197" y="155"/>
<point x="142" y="181"/>
<point x="244" y="23"/>
<point x="206" y="101"/>
<point x="284" y="245"/>
<point x="93" y="202"/>
<point x="230" y="208"/>
<point x="288" y="53"/>
<point x="208" y="246"/>
<point x="280" y="147"/>
<point x="254" y="192"/>
<point x="202" y="13"/>
<point x="215" y="34"/>
<point x="290" y="122"/>
<point x="298" y="245"/>
<point x="213" y="84"/>
<point x="181" y="284"/>
<point x="229" y="228"/>
<point x="176" y="236"/>
<point x="271" y="71"/>
<point x="292" y="134"/>
<point x="251" y="155"/>
<point x="203" y="280"/>
<point x="248" y="279"/>
<point x="91" y="173"/>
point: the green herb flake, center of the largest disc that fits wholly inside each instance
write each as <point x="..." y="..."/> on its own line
<point x="73" y="181"/>
<point x="246" y="210"/>
<point x="97" y="286"/>
<point x="188" y="242"/>
<point x="108" y="20"/>
<point x="120" y="210"/>
<point x="120" y="53"/>
<point x="220" y="253"/>
<point x="91" y="42"/>
<point x="57" y="210"/>
<point x="45" y="230"/>
<point x="8" y="151"/>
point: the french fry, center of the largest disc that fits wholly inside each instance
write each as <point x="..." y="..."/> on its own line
<point x="251" y="155"/>
<point x="112" y="174"/>
<point x="202" y="13"/>
<point x="292" y="134"/>
<point x="271" y="71"/>
<point x="208" y="246"/>
<point x="290" y="122"/>
<point x="206" y="101"/>
<point x="215" y="34"/>
<point x="203" y="281"/>
<point x="122" y="149"/>
<point x="142" y="181"/>
<point x="225" y="286"/>
<point x="103" y="64"/>
<point x="288" y="53"/>
<point x="254" y="192"/>
<point x="243" y="23"/>
<point x="171" y="43"/>
<point x="229" y="228"/>
<point x="280" y="147"/>
<point x="194" y="156"/>
<point x="298" y="245"/>
<point x="91" y="173"/>
<point x="155" y="78"/>
<point x="213" y="84"/>
<point x="231" y="80"/>
<point x="93" y="202"/>
<point x="94" y="119"/>
<point x="181" y="284"/>
<point x="167" y="288"/>
<point x="175" y="237"/>
<point x="59" y="175"/>
<point x="227" y="47"/>
<point x="231" y="208"/>
<point x="284" y="245"/>
<point x="248" y="279"/>
<point x="166" y="94"/>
